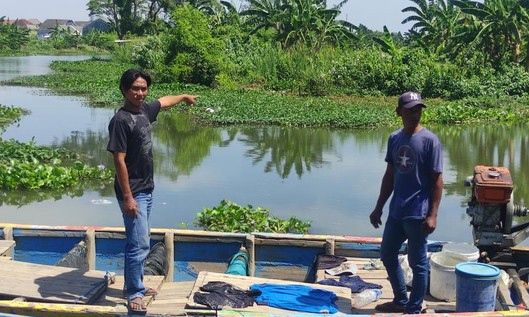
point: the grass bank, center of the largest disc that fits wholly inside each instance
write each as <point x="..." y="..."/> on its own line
<point x="98" y="80"/>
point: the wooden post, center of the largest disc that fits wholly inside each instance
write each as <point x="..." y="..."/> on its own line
<point x="250" y="247"/>
<point x="8" y="235"/>
<point x="90" y="240"/>
<point x="169" y="256"/>
<point x="329" y="246"/>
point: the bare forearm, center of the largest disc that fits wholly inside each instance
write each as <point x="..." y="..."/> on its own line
<point x="123" y="178"/>
<point x="386" y="188"/>
<point x="437" y="193"/>
<point x="170" y="101"/>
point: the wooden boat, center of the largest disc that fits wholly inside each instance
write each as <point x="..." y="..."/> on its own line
<point x="33" y="285"/>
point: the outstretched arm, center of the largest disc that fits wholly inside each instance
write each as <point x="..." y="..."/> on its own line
<point x="169" y="101"/>
<point x="386" y="188"/>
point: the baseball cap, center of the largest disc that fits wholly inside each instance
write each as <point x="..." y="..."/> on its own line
<point x="410" y="99"/>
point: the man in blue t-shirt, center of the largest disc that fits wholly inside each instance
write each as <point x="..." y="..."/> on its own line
<point x="413" y="175"/>
<point x="130" y="143"/>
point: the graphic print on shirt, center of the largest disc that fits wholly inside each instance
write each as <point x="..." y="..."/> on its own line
<point x="146" y="142"/>
<point x="405" y="159"/>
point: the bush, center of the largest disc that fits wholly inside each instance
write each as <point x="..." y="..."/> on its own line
<point x="194" y="55"/>
<point x="100" y="40"/>
<point x="150" y="55"/>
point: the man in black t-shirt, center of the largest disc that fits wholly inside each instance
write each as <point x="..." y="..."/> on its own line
<point x="131" y="146"/>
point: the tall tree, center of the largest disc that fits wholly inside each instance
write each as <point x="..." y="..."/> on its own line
<point x="124" y="15"/>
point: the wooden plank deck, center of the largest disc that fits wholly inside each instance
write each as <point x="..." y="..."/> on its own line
<point x="343" y="303"/>
<point x="381" y="277"/>
<point x="47" y="283"/>
<point x="114" y="294"/>
<point x="175" y="298"/>
<point x="171" y="299"/>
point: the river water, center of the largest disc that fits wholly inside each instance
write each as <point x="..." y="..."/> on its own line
<point x="330" y="177"/>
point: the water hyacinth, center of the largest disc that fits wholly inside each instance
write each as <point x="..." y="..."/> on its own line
<point x="231" y="217"/>
<point x="26" y="166"/>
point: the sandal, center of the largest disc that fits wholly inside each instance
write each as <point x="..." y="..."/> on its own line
<point x="149" y="291"/>
<point x="137" y="306"/>
<point x="390" y="307"/>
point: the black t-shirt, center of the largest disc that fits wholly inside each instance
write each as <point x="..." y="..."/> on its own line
<point x="130" y="133"/>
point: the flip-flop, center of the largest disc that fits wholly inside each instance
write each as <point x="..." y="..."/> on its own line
<point x="149" y="291"/>
<point x="137" y="306"/>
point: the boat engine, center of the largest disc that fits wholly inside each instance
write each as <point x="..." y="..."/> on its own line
<point x="492" y="209"/>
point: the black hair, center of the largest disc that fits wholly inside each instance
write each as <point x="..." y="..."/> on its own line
<point x="130" y="76"/>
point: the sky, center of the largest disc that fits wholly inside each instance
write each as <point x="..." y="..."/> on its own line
<point x="372" y="13"/>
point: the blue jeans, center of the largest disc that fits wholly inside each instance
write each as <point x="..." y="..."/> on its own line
<point x="395" y="233"/>
<point x="137" y="231"/>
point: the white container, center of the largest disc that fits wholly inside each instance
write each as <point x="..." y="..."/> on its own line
<point x="442" y="268"/>
<point x="462" y="251"/>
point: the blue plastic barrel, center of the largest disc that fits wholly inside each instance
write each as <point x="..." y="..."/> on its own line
<point x="476" y="286"/>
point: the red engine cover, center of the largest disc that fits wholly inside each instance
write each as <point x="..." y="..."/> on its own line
<point x="492" y="184"/>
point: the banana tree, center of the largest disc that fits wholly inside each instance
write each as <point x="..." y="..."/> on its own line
<point x="498" y="27"/>
<point x="435" y="22"/>
<point x="308" y="22"/>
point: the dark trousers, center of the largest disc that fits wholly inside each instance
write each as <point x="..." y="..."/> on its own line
<point x="395" y="233"/>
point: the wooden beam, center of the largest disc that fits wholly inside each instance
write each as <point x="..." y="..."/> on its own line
<point x="294" y="243"/>
<point x="504" y="296"/>
<point x="90" y="241"/>
<point x="329" y="246"/>
<point x="250" y="248"/>
<point x="6" y="248"/>
<point x="49" y="309"/>
<point x="519" y="287"/>
<point x="8" y="235"/>
<point x="169" y="256"/>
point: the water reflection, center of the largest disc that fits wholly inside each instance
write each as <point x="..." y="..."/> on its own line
<point x="287" y="149"/>
<point x="496" y="145"/>
<point x="181" y="146"/>
<point x="330" y="177"/>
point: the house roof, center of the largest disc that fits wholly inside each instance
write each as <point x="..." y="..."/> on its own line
<point x="53" y="23"/>
<point x="23" y="23"/>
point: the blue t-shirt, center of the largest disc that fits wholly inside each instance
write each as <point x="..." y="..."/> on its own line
<point x="296" y="297"/>
<point x="415" y="160"/>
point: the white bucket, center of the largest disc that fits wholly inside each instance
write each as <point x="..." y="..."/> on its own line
<point x="442" y="268"/>
<point x="462" y="251"/>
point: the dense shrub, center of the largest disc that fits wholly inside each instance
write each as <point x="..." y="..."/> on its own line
<point x="101" y="40"/>
<point x="193" y="55"/>
<point x="150" y="55"/>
